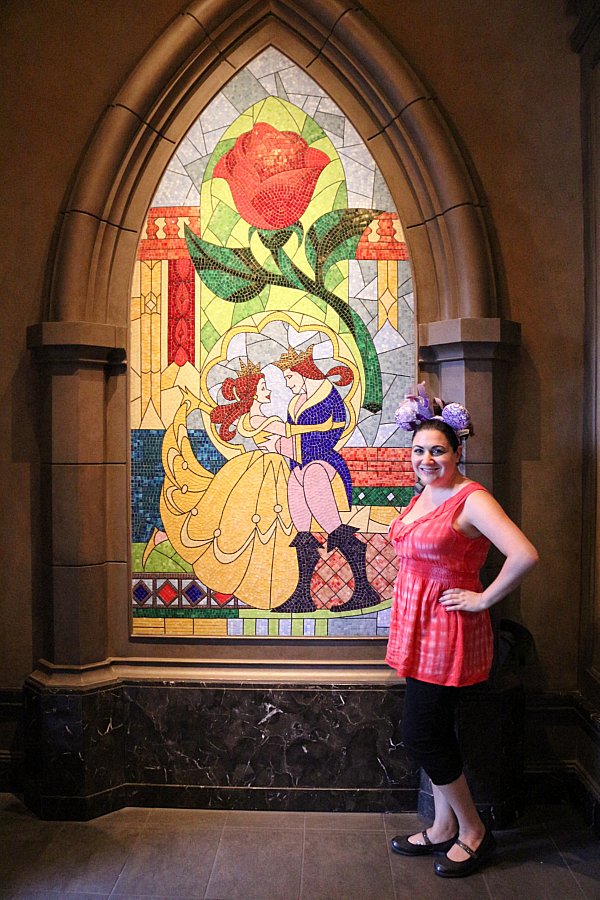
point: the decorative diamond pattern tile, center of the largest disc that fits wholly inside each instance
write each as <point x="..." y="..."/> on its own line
<point x="167" y="593"/>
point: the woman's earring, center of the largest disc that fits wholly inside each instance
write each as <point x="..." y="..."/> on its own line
<point x="256" y="396"/>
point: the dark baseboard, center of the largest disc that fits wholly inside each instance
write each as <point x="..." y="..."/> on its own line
<point x="11" y="740"/>
<point x="567" y="783"/>
<point x="314" y="747"/>
<point x="197" y="797"/>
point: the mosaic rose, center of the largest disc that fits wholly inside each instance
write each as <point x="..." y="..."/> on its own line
<point x="272" y="175"/>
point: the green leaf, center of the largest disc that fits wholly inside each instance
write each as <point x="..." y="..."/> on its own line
<point x="335" y="236"/>
<point x="333" y="278"/>
<point x="288" y="270"/>
<point x="230" y="287"/>
<point x="231" y="274"/>
<point x="311" y="132"/>
<point x="275" y="238"/>
<point x="211" y="256"/>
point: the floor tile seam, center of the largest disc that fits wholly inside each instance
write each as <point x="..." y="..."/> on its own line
<point x="216" y="853"/>
<point x="139" y="839"/>
<point x="260" y="828"/>
<point x="487" y="886"/>
<point x="389" y="859"/>
<point x="302" y="859"/>
<point x="330" y="830"/>
<point x="568" y="866"/>
<point x="584" y="893"/>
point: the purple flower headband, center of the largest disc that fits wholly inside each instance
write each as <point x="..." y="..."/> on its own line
<point x="416" y="408"/>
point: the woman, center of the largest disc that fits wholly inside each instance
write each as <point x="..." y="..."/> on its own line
<point x="440" y="633"/>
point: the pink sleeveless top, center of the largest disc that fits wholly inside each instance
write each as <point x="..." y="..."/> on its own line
<point x="426" y="642"/>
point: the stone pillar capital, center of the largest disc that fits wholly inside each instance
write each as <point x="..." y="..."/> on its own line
<point x="465" y="360"/>
<point x="81" y="344"/>
<point x="473" y="338"/>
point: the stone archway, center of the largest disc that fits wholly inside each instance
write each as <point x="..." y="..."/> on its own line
<point x="81" y="760"/>
<point x="83" y="340"/>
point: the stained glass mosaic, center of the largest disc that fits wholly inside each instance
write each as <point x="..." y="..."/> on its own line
<point x="272" y="337"/>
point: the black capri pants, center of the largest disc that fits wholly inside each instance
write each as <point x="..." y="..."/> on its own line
<point x="428" y="728"/>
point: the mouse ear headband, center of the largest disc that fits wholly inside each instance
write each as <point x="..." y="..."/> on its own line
<point x="416" y="408"/>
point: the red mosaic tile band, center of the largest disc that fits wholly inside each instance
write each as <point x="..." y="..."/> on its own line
<point x="166" y="239"/>
<point x="165" y="232"/>
<point x="181" y="311"/>
<point x="379" y="466"/>
<point x="380" y="240"/>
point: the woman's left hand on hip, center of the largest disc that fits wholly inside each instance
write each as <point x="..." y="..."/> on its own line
<point x="457" y="599"/>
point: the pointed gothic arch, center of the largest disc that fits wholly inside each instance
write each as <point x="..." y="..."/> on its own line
<point x="438" y="201"/>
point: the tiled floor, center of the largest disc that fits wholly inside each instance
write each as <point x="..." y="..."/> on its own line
<point x="258" y="856"/>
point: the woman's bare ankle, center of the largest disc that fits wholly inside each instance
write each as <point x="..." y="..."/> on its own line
<point x="437" y="833"/>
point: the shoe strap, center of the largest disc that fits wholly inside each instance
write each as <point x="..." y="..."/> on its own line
<point x="426" y="839"/>
<point x="465" y="848"/>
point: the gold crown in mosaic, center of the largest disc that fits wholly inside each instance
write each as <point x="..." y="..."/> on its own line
<point x="248" y="368"/>
<point x="292" y="358"/>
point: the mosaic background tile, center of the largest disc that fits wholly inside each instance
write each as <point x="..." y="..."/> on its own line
<point x="228" y="278"/>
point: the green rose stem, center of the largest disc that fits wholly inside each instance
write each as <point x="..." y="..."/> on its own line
<point x="235" y="275"/>
<point x="296" y="278"/>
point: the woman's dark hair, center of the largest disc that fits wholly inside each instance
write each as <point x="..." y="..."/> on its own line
<point x="439" y="425"/>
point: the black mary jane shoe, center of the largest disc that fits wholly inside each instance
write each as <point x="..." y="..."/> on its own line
<point x="403" y="845"/>
<point x="448" y="868"/>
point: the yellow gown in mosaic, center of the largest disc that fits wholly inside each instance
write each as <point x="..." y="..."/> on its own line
<point x="234" y="527"/>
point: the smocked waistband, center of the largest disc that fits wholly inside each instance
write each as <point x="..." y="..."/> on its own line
<point x="454" y="577"/>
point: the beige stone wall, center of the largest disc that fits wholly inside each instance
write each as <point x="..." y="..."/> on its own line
<point x="509" y="83"/>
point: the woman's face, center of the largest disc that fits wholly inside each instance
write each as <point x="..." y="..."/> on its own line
<point x="263" y="395"/>
<point x="433" y="459"/>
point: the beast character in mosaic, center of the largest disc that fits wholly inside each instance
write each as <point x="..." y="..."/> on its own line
<point x="315" y="422"/>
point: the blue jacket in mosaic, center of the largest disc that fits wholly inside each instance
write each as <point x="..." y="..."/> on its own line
<point x="316" y="429"/>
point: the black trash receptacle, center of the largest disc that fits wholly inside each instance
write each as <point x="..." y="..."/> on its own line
<point x="490" y="724"/>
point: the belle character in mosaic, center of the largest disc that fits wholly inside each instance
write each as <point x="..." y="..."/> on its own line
<point x="234" y="526"/>
<point x="319" y="485"/>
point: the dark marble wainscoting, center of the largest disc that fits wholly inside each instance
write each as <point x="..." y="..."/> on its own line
<point x="291" y="747"/>
<point x="228" y="747"/>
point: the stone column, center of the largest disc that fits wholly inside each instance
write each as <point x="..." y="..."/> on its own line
<point x="467" y="361"/>
<point x="84" y="455"/>
<point x="73" y="735"/>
